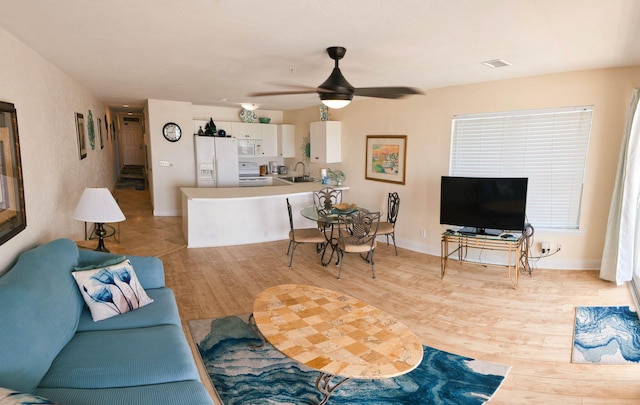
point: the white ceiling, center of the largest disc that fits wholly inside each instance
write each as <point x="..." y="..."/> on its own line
<point x="205" y="51"/>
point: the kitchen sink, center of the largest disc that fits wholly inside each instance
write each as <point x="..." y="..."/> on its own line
<point x="298" y="179"/>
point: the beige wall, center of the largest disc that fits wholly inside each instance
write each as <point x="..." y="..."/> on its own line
<point x="46" y="100"/>
<point x="426" y="120"/>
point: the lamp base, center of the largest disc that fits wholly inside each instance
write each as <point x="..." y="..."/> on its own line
<point x="101" y="233"/>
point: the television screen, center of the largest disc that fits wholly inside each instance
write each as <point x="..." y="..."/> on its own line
<point x="490" y="205"/>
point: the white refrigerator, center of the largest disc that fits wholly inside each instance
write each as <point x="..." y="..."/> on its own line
<point x="216" y="161"/>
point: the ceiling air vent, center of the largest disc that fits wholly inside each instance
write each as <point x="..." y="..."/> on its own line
<point x="496" y="63"/>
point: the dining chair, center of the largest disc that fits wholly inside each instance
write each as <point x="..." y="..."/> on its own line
<point x="326" y="198"/>
<point x="303" y="235"/>
<point x="357" y="234"/>
<point x="388" y="227"/>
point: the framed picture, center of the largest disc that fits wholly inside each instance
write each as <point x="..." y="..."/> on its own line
<point x="100" y="133"/>
<point x="13" y="218"/>
<point x="82" y="141"/>
<point x="386" y="158"/>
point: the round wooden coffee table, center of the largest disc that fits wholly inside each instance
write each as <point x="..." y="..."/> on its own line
<point x="338" y="335"/>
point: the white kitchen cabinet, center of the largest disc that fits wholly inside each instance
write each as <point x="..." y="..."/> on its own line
<point x="286" y="140"/>
<point x="226" y="126"/>
<point x="326" y="142"/>
<point x="269" y="136"/>
<point x="243" y="130"/>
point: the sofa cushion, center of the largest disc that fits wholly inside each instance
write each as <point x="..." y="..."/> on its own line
<point x="149" y="269"/>
<point x="39" y="310"/>
<point x="111" y="290"/>
<point x="181" y="392"/>
<point x="123" y="358"/>
<point x="164" y="311"/>
<point x="11" y="397"/>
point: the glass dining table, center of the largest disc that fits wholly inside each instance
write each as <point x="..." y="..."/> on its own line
<point x="327" y="221"/>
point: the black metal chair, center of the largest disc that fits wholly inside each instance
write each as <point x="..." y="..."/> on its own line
<point x="303" y="235"/>
<point x="388" y="227"/>
<point x="326" y="198"/>
<point x="357" y="234"/>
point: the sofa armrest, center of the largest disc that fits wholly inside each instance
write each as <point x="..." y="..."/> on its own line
<point x="149" y="269"/>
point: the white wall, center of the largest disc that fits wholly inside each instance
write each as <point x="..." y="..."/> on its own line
<point x="46" y="100"/>
<point x="426" y="120"/>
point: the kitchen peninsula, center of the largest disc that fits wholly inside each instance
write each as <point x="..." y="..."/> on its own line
<point x="242" y="215"/>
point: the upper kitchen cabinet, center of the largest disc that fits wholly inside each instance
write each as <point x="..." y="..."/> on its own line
<point x="269" y="136"/>
<point x="286" y="140"/>
<point x="225" y="126"/>
<point x="242" y="130"/>
<point x="326" y="142"/>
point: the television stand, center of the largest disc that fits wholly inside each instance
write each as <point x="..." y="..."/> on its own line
<point x="470" y="230"/>
<point x="516" y="245"/>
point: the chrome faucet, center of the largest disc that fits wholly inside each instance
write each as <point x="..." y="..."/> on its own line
<point x="304" y="168"/>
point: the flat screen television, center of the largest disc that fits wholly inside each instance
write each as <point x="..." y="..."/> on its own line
<point x="483" y="205"/>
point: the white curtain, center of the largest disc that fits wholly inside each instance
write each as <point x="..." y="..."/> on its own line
<point x="621" y="257"/>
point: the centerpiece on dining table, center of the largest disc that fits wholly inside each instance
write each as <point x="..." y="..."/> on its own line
<point x="344" y="208"/>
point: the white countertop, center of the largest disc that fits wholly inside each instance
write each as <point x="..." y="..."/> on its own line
<point x="195" y="193"/>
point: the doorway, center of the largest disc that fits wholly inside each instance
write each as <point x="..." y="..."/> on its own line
<point x="132" y="142"/>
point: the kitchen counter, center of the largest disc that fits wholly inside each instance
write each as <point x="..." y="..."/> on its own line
<point x="242" y="215"/>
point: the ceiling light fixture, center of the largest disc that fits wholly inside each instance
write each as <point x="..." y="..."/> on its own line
<point x="496" y="63"/>
<point x="336" y="103"/>
<point x="250" y="106"/>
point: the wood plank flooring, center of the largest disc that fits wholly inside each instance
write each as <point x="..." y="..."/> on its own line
<point x="473" y="311"/>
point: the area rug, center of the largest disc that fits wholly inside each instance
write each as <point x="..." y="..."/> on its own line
<point x="131" y="178"/>
<point x="130" y="184"/>
<point x="606" y="335"/>
<point x="245" y="374"/>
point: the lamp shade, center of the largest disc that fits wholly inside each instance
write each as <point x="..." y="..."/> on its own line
<point x="97" y="205"/>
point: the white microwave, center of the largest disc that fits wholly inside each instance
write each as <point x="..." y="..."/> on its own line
<point x="249" y="147"/>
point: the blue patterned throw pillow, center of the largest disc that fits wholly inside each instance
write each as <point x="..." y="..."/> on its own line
<point x="10" y="397"/>
<point x="111" y="290"/>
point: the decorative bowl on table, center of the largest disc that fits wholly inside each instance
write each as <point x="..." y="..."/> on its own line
<point x="344" y="208"/>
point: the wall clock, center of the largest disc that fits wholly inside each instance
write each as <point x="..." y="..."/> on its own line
<point x="171" y="132"/>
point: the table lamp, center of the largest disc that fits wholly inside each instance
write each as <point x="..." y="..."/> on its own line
<point x="97" y="205"/>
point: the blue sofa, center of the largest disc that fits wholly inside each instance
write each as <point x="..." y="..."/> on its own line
<point x="51" y="347"/>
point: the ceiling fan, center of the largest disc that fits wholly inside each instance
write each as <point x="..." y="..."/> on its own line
<point x="337" y="92"/>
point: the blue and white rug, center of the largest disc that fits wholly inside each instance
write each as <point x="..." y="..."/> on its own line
<point x="245" y="375"/>
<point x="606" y="335"/>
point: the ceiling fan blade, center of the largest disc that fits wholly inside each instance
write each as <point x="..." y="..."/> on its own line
<point x="306" y="90"/>
<point x="281" y="93"/>
<point x="386" y="92"/>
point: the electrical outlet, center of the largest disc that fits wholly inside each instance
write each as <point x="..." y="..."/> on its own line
<point x="423" y="233"/>
<point x="545" y="247"/>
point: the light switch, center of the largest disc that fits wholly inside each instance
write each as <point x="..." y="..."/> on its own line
<point x="165" y="163"/>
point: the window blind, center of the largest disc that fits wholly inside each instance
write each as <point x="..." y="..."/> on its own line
<point x="549" y="146"/>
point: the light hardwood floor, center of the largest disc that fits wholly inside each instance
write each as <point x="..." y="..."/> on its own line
<point x="472" y="312"/>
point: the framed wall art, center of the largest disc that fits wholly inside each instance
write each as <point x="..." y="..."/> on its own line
<point x="386" y="158"/>
<point x="91" y="131"/>
<point x="99" y="126"/>
<point x="82" y="141"/>
<point x="13" y="218"/>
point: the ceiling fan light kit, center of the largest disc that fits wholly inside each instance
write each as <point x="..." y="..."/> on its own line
<point x="250" y="106"/>
<point x="337" y="92"/>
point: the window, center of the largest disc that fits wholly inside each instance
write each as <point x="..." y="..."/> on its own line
<point x="548" y="146"/>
